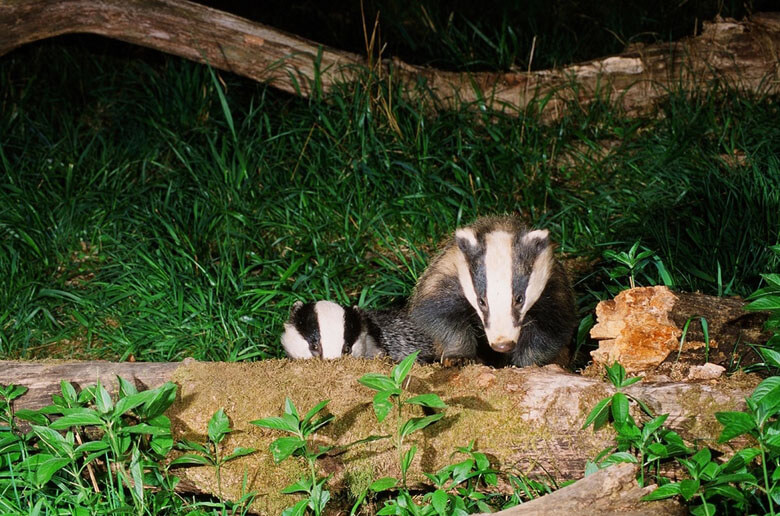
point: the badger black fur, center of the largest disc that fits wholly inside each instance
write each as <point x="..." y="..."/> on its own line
<point x="328" y="330"/>
<point x="496" y="281"/>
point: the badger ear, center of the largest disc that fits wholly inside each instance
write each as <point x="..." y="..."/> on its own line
<point x="295" y="307"/>
<point x="466" y="240"/>
<point x="538" y="237"/>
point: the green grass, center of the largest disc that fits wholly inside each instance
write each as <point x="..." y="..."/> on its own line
<point x="139" y="217"/>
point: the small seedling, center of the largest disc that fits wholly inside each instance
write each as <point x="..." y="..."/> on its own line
<point x="298" y="445"/>
<point x="210" y="454"/>
<point x="645" y="446"/>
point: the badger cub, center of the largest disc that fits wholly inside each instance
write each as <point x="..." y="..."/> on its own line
<point x="328" y="330"/>
<point x="498" y="281"/>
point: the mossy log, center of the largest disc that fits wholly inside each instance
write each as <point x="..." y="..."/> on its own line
<point x="613" y="490"/>
<point x="743" y="54"/>
<point x="647" y="327"/>
<point x="526" y="420"/>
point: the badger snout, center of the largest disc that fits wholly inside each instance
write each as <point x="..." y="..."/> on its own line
<point x="503" y="346"/>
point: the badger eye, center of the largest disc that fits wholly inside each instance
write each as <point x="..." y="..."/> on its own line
<point x="482" y="302"/>
<point x="314" y="347"/>
<point x="519" y="299"/>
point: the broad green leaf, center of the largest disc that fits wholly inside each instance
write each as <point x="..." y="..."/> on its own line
<point x="285" y="446"/>
<point x="318" y="424"/>
<point x="616" y="374"/>
<point x="143" y="428"/>
<point x="662" y="492"/>
<point x="599" y="412"/>
<point x="53" y="440"/>
<point x="186" y="444"/>
<point x="48" y="468"/>
<point x="727" y="491"/>
<point x="163" y="398"/>
<point x="316" y="408"/>
<point x="734" y="424"/>
<point x="289" y="408"/>
<point x="418" y="423"/>
<point x="701" y="510"/>
<point x="427" y="400"/>
<point x="619" y="408"/>
<point x="379" y="382"/>
<point x="125" y="388"/>
<point x="103" y="399"/>
<point x="768" y="387"/>
<point x="136" y="473"/>
<point x="68" y="393"/>
<point x="630" y="381"/>
<point x="299" y="509"/>
<point x="301" y="486"/>
<point x="688" y="488"/>
<point x="33" y="416"/>
<point x="407" y="458"/>
<point x="771" y="357"/>
<point x="619" y="457"/>
<point x="90" y="417"/>
<point x="439" y="501"/>
<point x="276" y="423"/>
<point x="651" y="426"/>
<point x="767" y="303"/>
<point x="239" y="452"/>
<point x="191" y="459"/>
<point x="740" y="459"/>
<point x="773" y="279"/>
<point x="402" y="369"/>
<point x="92" y="446"/>
<point x="131" y="402"/>
<point x="383" y="484"/>
<point x="382" y="405"/>
<point x="218" y="427"/>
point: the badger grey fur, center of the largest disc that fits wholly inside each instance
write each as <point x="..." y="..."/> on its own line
<point x="328" y="330"/>
<point x="496" y="283"/>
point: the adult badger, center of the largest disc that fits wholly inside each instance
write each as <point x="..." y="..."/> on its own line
<point x="496" y="280"/>
<point x="328" y="330"/>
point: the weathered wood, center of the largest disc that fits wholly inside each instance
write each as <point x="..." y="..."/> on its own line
<point x="610" y="491"/>
<point x="643" y="328"/>
<point x="529" y="419"/>
<point x="743" y="54"/>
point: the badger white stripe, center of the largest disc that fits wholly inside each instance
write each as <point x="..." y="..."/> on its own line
<point x="464" y="277"/>
<point x="330" y="317"/>
<point x="498" y="269"/>
<point x="294" y="344"/>
<point x="538" y="279"/>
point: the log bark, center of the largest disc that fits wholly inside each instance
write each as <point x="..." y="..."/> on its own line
<point x="610" y="491"/>
<point x="643" y="329"/>
<point x="743" y="54"/>
<point x="526" y="419"/>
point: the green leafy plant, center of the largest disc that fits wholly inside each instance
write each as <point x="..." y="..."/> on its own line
<point x="457" y="484"/>
<point x="134" y="435"/>
<point x="768" y="299"/>
<point x="749" y="480"/>
<point x="211" y="454"/>
<point x="302" y="429"/>
<point x="633" y="262"/>
<point x="389" y="394"/>
<point x="646" y="446"/>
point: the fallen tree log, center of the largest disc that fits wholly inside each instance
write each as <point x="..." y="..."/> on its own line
<point x="742" y="54"/>
<point x="613" y="490"/>
<point x="656" y="330"/>
<point x="526" y="420"/>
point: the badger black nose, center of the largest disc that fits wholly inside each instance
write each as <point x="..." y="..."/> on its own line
<point x="503" y="346"/>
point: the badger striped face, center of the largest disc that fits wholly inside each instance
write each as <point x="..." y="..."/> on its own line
<point x="502" y="275"/>
<point x="323" y="330"/>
